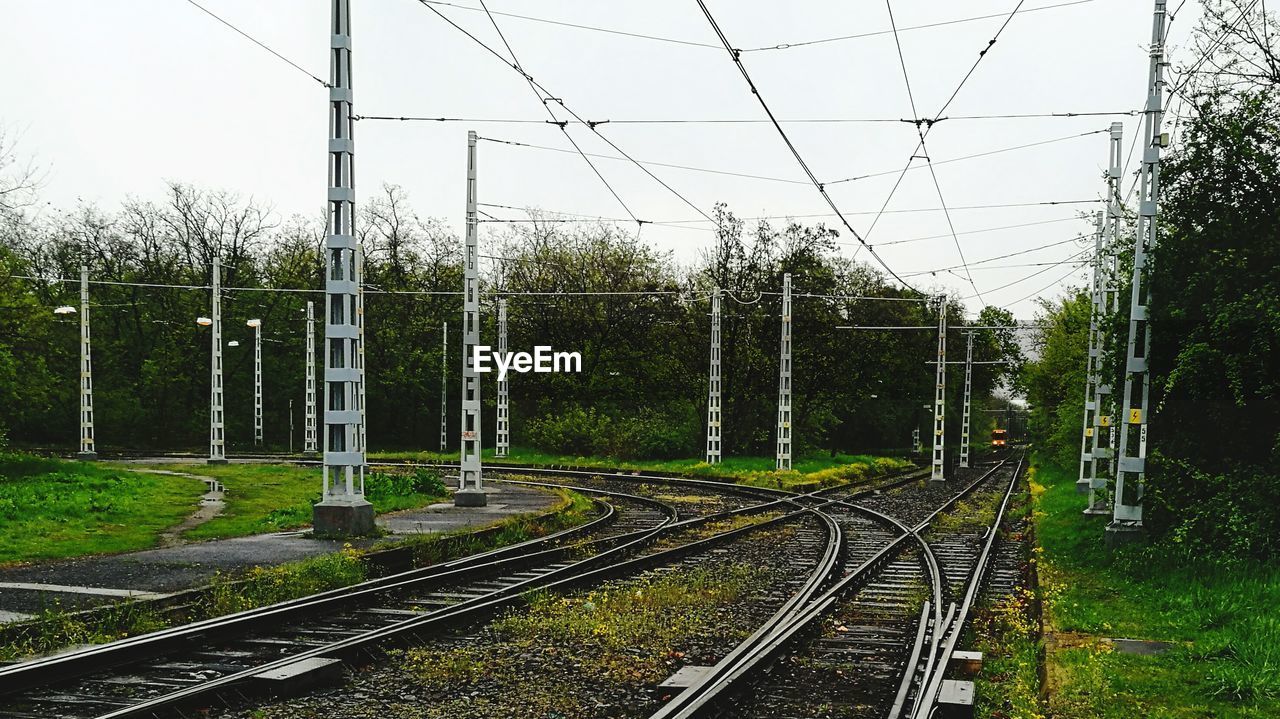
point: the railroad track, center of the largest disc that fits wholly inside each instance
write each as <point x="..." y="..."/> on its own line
<point x="226" y="658"/>
<point x="190" y="666"/>
<point x="877" y="642"/>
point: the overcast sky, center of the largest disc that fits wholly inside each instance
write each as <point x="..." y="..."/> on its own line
<point x="116" y="97"/>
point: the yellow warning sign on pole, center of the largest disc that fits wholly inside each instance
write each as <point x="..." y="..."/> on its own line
<point x="1135" y="416"/>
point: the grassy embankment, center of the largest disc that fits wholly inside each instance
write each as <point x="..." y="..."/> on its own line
<point x="261" y="586"/>
<point x="272" y="497"/>
<point x="51" y="509"/>
<point x="814" y="470"/>
<point x="1218" y="615"/>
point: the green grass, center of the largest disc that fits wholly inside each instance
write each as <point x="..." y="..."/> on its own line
<point x="1220" y="615"/>
<point x="55" y="628"/>
<point x="273" y="497"/>
<point x="815" y="470"/>
<point x="52" y="509"/>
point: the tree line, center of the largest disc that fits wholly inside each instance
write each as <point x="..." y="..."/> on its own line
<point x="639" y="318"/>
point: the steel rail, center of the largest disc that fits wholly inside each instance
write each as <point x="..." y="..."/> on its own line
<point x="930" y="686"/>
<point x="26" y="675"/>
<point x="781" y="628"/>
<point x="156" y="642"/>
<point x="471" y="610"/>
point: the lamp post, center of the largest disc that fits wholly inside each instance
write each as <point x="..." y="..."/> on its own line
<point x="257" y="379"/>
<point x="217" y="420"/>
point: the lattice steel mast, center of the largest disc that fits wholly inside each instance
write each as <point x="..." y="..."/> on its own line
<point x="938" y="472"/>
<point x="343" y="509"/>
<point x="470" y="482"/>
<point x="257" y="380"/>
<point x="87" y="448"/>
<point x="968" y="391"/>
<point x="503" y="423"/>
<point x="309" y="423"/>
<point x="713" y="385"/>
<point x="1127" y="515"/>
<point x="444" y="387"/>
<point x="217" y="423"/>
<point x="783" y="460"/>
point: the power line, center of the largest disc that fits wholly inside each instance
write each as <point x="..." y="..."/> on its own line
<point x="515" y="62"/>
<point x="971" y="232"/>
<point x="744" y="121"/>
<point x="611" y="31"/>
<point x="1055" y="283"/>
<point x="1038" y="273"/>
<point x="737" y="60"/>
<point x="1010" y="254"/>
<point x="930" y="123"/>
<point x="550" y="97"/>
<point x="902" y="60"/>
<point x="840" y="38"/>
<point x="655" y="164"/>
<point x="257" y="42"/>
<point x="986" y="153"/>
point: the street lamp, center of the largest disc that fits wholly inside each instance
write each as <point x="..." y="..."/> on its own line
<point x="65" y="310"/>
<point x="256" y="324"/>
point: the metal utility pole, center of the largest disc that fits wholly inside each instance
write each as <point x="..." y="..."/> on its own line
<point x="343" y="508"/>
<point x="87" y="451"/>
<point x="1092" y="408"/>
<point x="1106" y="399"/>
<point x="968" y="391"/>
<point x="940" y="396"/>
<point x="470" y="483"/>
<point x="309" y="423"/>
<point x="257" y="380"/>
<point x="1098" y="457"/>
<point x="503" y="426"/>
<point x="784" y="380"/>
<point x="444" y="387"/>
<point x="1126" y="523"/>
<point x="364" y="413"/>
<point x="217" y="423"/>
<point x="290" y="425"/>
<point x="713" y="384"/>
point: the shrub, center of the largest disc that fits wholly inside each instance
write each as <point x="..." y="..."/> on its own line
<point x="651" y="434"/>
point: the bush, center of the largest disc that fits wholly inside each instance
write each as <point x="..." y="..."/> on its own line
<point x="384" y="485"/>
<point x="585" y="432"/>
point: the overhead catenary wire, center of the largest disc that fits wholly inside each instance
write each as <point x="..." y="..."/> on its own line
<point x="875" y="33"/>
<point x="559" y="101"/>
<point x="744" y="120"/>
<point x="737" y="60"/>
<point x="1037" y="273"/>
<point x="929" y="123"/>
<point x="655" y="164"/>
<point x="542" y="99"/>
<point x="766" y="48"/>
<point x="986" y="153"/>
<point x="906" y="79"/>
<point x="257" y="42"/>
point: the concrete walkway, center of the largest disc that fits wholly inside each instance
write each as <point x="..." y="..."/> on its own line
<point x="91" y="581"/>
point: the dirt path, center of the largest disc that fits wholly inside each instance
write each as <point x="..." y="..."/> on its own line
<point x="211" y="505"/>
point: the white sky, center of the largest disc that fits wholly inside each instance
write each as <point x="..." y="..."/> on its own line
<point x="116" y="97"/>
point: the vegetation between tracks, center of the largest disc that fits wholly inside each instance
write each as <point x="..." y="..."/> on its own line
<point x="1217" y="615"/>
<point x="814" y="471"/>
<point x="632" y="633"/>
<point x="52" y="509"/>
